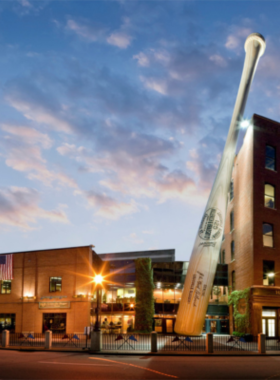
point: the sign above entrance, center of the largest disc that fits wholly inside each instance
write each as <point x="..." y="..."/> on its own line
<point x="54" y="305"/>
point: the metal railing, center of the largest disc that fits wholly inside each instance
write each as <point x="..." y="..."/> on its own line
<point x="27" y="339"/>
<point x="70" y="340"/>
<point x="272" y="344"/>
<point x="129" y="342"/>
<point x="180" y="343"/>
<point x="233" y="343"/>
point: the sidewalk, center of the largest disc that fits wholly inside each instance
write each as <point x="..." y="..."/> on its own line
<point x="142" y="353"/>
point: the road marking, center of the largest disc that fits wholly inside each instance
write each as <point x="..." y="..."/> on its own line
<point x="137" y="366"/>
<point x="100" y="365"/>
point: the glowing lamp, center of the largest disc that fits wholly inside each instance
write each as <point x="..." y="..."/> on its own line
<point x="244" y="124"/>
<point x="271" y="274"/>
<point x="131" y="305"/>
<point x="98" y="279"/>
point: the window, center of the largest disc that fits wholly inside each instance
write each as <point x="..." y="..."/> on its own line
<point x="7" y="322"/>
<point x="223" y="257"/>
<point x="231" y="193"/>
<point x="55" y="284"/>
<point x="233" y="280"/>
<point x="267" y="235"/>
<point x="6" y="286"/>
<point x="232" y="250"/>
<point x="268" y="273"/>
<point x="56" y="322"/>
<point x="270" y="155"/>
<point x="269" y="195"/>
<point x="231" y="221"/>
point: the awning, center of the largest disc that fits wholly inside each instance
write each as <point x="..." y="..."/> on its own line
<point x="217" y="310"/>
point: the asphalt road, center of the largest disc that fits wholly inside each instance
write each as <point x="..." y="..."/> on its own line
<point x="56" y="365"/>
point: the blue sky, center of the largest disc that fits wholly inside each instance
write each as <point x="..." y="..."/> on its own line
<point x="114" y="115"/>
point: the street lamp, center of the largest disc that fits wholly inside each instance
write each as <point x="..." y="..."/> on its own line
<point x="98" y="281"/>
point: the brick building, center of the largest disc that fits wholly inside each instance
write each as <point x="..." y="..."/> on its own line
<point x="51" y="289"/>
<point x="251" y="245"/>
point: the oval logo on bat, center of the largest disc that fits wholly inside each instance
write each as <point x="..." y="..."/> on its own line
<point x="211" y="226"/>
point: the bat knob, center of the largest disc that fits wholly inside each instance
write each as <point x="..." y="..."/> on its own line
<point x="257" y="39"/>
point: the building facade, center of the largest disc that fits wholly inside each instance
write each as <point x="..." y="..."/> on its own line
<point x="51" y="289"/>
<point x="251" y="245"/>
<point x="118" y="296"/>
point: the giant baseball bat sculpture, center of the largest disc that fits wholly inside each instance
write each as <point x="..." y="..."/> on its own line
<point x="205" y="254"/>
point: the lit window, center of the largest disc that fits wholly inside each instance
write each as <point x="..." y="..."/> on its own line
<point x="270" y="162"/>
<point x="233" y="280"/>
<point x="231" y="220"/>
<point x="6" y="286"/>
<point x="55" y="284"/>
<point x="269" y="195"/>
<point x="268" y="273"/>
<point x="267" y="235"/>
<point x="232" y="249"/>
<point x="231" y="193"/>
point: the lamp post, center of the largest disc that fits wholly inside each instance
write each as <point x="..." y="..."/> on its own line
<point x="98" y="281"/>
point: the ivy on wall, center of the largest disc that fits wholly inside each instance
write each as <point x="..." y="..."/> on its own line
<point x="144" y="284"/>
<point x="241" y="321"/>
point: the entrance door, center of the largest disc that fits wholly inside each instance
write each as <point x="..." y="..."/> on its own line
<point x="269" y="323"/>
<point x="169" y="325"/>
<point x="213" y="326"/>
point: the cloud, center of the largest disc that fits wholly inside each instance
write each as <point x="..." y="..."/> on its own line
<point x="159" y="85"/>
<point x="143" y="59"/>
<point x="119" y="39"/>
<point x="19" y="208"/>
<point x="22" y="152"/>
<point x="219" y="60"/>
<point x="85" y="30"/>
<point x="236" y="39"/>
<point x="28" y="134"/>
<point x="108" y="207"/>
<point x="98" y="33"/>
<point x="135" y="172"/>
<point x="134" y="239"/>
<point x="37" y="105"/>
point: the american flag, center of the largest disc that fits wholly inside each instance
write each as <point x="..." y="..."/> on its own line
<point x="6" y="267"/>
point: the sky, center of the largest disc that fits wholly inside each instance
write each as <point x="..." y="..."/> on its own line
<point x="114" y="115"/>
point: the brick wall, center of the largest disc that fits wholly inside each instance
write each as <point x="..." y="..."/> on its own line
<point x="32" y="272"/>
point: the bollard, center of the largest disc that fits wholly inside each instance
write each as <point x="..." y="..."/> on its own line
<point x="5" y="338"/>
<point x="261" y="343"/>
<point x="154" y="341"/>
<point x="209" y="343"/>
<point x="48" y="340"/>
<point x="96" y="341"/>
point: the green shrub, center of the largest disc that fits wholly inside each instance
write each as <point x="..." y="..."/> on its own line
<point x="241" y="321"/>
<point x="144" y="308"/>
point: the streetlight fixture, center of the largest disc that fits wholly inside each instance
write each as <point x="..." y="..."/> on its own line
<point x="98" y="281"/>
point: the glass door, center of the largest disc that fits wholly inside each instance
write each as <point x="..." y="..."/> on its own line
<point x="269" y="323"/>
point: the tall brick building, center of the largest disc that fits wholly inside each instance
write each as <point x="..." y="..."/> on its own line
<point x="251" y="245"/>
